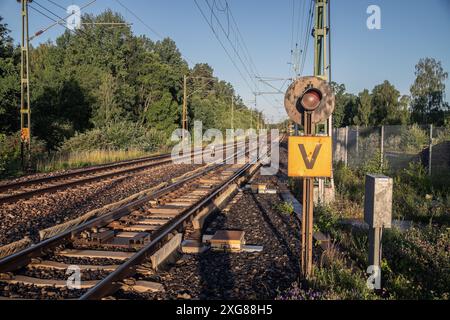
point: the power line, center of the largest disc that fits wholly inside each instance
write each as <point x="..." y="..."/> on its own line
<point x="245" y="46"/>
<point x="307" y="34"/>
<point x="57" y="22"/>
<point x="222" y="45"/>
<point x="140" y="20"/>
<point x="233" y="47"/>
<point x="47" y="16"/>
<point x="51" y="12"/>
<point x="246" y="52"/>
<point x="148" y="27"/>
<point x="57" y="4"/>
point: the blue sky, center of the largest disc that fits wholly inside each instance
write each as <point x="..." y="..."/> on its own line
<point x="361" y="58"/>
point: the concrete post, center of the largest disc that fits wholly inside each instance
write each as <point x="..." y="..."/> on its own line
<point x="382" y="147"/>
<point x="377" y="213"/>
<point x="430" y="149"/>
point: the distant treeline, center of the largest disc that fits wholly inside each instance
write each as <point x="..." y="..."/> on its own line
<point x="385" y="106"/>
<point x="104" y="87"/>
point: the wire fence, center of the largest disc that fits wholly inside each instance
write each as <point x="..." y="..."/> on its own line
<point x="393" y="146"/>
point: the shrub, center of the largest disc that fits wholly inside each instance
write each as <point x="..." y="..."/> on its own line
<point x="419" y="260"/>
<point x="120" y="136"/>
<point x="413" y="138"/>
<point x="374" y="165"/>
<point x="348" y="183"/>
<point x="286" y="208"/>
<point x="10" y="155"/>
<point x="341" y="282"/>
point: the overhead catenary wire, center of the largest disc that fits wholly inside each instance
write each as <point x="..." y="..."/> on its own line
<point x="57" y="4"/>
<point x="47" y="16"/>
<point x="244" y="44"/>
<point x="49" y="11"/>
<point x="222" y="45"/>
<point x="248" y="64"/>
<point x="307" y="35"/>
<point x="40" y="32"/>
<point x="233" y="47"/>
<point x="59" y="21"/>
<point x="161" y="37"/>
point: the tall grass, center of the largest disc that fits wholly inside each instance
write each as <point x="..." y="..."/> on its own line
<point x="81" y="159"/>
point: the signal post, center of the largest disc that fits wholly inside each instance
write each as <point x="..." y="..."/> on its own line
<point x="309" y="101"/>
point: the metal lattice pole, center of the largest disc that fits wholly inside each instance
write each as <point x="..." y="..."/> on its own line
<point x="25" y="107"/>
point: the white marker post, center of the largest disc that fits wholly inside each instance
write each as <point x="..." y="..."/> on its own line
<point x="378" y="215"/>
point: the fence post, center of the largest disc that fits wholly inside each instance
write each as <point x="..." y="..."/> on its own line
<point x="430" y="147"/>
<point x="357" y="141"/>
<point x="346" y="146"/>
<point x="382" y="147"/>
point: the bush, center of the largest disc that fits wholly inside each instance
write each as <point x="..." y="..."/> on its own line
<point x="416" y="196"/>
<point x="374" y="165"/>
<point x="419" y="260"/>
<point x="348" y="183"/>
<point x="341" y="282"/>
<point x="286" y="208"/>
<point x="120" y="136"/>
<point x="10" y="157"/>
<point x="413" y="139"/>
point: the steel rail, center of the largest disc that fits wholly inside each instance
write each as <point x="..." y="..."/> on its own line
<point x="156" y="160"/>
<point x="23" y="257"/>
<point x="110" y="284"/>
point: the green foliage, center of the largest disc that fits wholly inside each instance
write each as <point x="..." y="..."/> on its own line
<point x="9" y="80"/>
<point x="415" y="262"/>
<point x="345" y="108"/>
<point x="9" y="155"/>
<point x="374" y="165"/>
<point x="418" y="261"/>
<point x="386" y="105"/>
<point x="348" y="183"/>
<point x="418" y="197"/>
<point x="443" y="135"/>
<point x="324" y="222"/>
<point x="119" y="136"/>
<point x="413" y="138"/>
<point x="364" y="109"/>
<point x="105" y="87"/>
<point x="107" y="110"/>
<point x="341" y="282"/>
<point x="428" y="92"/>
<point x="163" y="115"/>
<point x="383" y="106"/>
<point x="286" y="208"/>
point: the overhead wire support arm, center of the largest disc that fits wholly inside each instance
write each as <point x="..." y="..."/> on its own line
<point x="58" y="22"/>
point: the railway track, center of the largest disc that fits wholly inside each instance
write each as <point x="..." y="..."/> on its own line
<point x="29" y="188"/>
<point x="112" y="249"/>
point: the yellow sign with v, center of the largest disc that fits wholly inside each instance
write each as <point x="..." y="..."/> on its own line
<point x="310" y="157"/>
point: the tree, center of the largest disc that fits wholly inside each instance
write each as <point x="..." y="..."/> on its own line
<point x="164" y="115"/>
<point x="404" y="109"/>
<point x="364" y="109"/>
<point x="107" y="111"/>
<point x="104" y="80"/>
<point x="9" y="82"/>
<point x="339" y="109"/>
<point x="6" y="42"/>
<point x="428" y="91"/>
<point x="345" y="107"/>
<point x="385" y="105"/>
